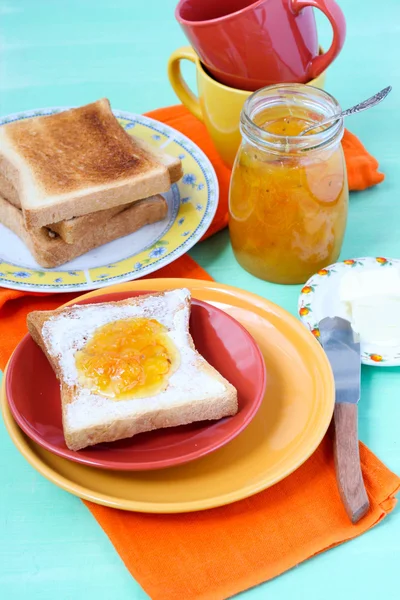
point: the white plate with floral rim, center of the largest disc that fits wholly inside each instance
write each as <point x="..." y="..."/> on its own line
<point x="319" y="298"/>
<point x="192" y="203"/>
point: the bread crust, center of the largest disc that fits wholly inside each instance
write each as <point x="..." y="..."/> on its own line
<point x="210" y="409"/>
<point x="50" y="252"/>
<point x="72" y="230"/>
<point x="214" y="408"/>
<point x="8" y="191"/>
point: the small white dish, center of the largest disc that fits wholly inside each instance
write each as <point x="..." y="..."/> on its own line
<point x="319" y="298"/>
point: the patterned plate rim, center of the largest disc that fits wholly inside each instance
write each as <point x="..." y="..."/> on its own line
<point x="378" y="356"/>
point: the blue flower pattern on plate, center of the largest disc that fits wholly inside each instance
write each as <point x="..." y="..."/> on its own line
<point x="157" y="252"/>
<point x="189" y="179"/>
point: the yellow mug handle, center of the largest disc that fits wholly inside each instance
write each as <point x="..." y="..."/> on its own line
<point x="179" y="85"/>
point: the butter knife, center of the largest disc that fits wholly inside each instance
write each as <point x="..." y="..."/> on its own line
<point x="342" y="347"/>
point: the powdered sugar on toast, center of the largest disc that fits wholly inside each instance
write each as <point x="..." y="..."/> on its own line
<point x="66" y="333"/>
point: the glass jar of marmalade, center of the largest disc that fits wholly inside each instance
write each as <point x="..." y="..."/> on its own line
<point x="288" y="195"/>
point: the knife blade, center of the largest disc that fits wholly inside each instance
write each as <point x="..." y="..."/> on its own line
<point x="342" y="348"/>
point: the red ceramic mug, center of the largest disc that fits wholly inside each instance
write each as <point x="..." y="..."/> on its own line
<point x="249" y="45"/>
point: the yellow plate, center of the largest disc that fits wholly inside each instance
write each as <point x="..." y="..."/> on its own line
<point x="290" y="424"/>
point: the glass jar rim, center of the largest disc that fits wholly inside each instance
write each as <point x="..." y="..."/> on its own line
<point x="276" y="143"/>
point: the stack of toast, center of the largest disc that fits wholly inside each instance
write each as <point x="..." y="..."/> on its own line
<point x="75" y="180"/>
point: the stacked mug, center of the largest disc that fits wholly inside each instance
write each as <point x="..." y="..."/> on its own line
<point x="239" y="46"/>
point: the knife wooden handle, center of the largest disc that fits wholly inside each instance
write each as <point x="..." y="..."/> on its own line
<point x="347" y="461"/>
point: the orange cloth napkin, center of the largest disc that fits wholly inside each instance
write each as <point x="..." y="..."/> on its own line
<point x="215" y="554"/>
<point x="362" y="168"/>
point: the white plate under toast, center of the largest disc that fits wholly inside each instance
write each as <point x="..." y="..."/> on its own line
<point x="192" y="203"/>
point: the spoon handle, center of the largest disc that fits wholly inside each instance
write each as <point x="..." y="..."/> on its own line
<point x="373" y="101"/>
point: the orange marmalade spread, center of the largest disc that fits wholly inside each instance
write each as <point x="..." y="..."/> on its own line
<point x="128" y="358"/>
<point x="288" y="210"/>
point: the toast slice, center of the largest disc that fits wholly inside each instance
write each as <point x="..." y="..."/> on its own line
<point x="174" y="166"/>
<point x="193" y="389"/>
<point x="72" y="230"/>
<point x="8" y="191"/>
<point x="75" y="163"/>
<point x="50" y="250"/>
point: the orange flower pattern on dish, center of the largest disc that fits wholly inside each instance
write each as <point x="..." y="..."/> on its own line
<point x="376" y="357"/>
<point x="307" y="289"/>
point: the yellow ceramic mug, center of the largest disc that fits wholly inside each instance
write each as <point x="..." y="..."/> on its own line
<point x="217" y="105"/>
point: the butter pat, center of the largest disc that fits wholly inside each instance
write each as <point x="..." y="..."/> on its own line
<point x="377" y="319"/>
<point x="371" y="300"/>
<point x="384" y="281"/>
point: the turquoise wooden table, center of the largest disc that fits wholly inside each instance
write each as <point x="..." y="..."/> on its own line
<point x="76" y="51"/>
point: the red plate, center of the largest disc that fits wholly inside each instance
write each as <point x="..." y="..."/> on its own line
<point x="33" y="393"/>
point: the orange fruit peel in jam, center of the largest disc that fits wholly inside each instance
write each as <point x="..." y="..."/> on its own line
<point x="127" y="358"/>
<point x="287" y="212"/>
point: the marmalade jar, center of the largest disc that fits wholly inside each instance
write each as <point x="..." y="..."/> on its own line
<point x="288" y="195"/>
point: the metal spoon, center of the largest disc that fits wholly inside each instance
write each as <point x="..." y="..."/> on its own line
<point x="373" y="101"/>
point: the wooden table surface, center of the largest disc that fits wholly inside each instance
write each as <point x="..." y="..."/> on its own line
<point x="71" y="52"/>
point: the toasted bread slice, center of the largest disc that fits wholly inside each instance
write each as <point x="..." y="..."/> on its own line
<point x="8" y="191"/>
<point x="72" y="230"/>
<point x="194" y="391"/>
<point x="75" y="163"/>
<point x="174" y="166"/>
<point x="49" y="250"/>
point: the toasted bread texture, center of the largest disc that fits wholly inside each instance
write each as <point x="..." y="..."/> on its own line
<point x="8" y="191"/>
<point x="75" y="163"/>
<point x="73" y="230"/>
<point x="173" y="164"/>
<point x="50" y="250"/>
<point x="194" y="392"/>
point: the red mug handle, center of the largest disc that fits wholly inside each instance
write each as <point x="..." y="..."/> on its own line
<point x="336" y="17"/>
